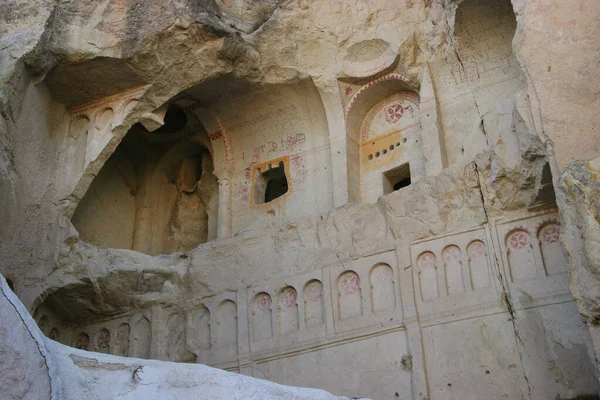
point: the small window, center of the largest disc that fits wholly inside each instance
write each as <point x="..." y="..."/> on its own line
<point x="396" y="179"/>
<point x="270" y="184"/>
<point x="545" y="197"/>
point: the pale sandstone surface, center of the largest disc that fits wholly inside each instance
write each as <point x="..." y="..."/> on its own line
<point x="580" y="182"/>
<point x="562" y="105"/>
<point x="24" y="372"/>
<point x="108" y="377"/>
<point x="455" y="286"/>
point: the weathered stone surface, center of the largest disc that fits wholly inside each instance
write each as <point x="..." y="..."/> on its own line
<point x="110" y="377"/>
<point x="561" y="106"/>
<point x="24" y="373"/>
<point x="414" y="148"/>
<point x="581" y="185"/>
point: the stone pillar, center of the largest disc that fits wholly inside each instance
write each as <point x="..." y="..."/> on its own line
<point x="160" y="333"/>
<point x="224" y="211"/>
<point x="244" y="354"/>
<point x="434" y="147"/>
<point x="416" y="362"/>
<point x="334" y="110"/>
<point x="142" y="234"/>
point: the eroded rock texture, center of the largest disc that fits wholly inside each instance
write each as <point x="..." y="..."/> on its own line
<point x="385" y="199"/>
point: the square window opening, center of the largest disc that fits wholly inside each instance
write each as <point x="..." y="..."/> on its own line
<point x="396" y="179"/>
<point x="270" y="184"/>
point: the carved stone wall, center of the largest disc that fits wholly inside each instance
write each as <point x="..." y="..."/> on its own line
<point x="126" y="236"/>
<point x="488" y="285"/>
<point x="288" y="121"/>
<point x="390" y="137"/>
<point x="468" y="280"/>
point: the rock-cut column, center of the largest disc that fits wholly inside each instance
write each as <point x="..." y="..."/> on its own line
<point x="224" y="211"/>
<point x="334" y="110"/>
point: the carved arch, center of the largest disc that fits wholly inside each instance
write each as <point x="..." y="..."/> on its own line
<point x="220" y="143"/>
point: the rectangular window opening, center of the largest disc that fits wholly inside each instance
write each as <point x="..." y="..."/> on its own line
<point x="396" y="179"/>
<point x="270" y="184"/>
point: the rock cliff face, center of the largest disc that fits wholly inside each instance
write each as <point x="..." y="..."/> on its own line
<point x="579" y="182"/>
<point x="266" y="186"/>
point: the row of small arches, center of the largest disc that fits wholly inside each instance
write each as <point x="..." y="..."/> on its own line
<point x="223" y="330"/>
<point x="527" y="259"/>
<point x="105" y="341"/>
<point x="457" y="279"/>
<point x="287" y="310"/>
<point x="117" y="342"/>
<point x="382" y="291"/>
<point x="548" y="232"/>
<point x="523" y="253"/>
<point x="220" y="327"/>
<point x="101" y="119"/>
<point x="122" y="341"/>
<point x="349" y="302"/>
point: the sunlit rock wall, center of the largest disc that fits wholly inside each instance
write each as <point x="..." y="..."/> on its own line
<point x="417" y="245"/>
